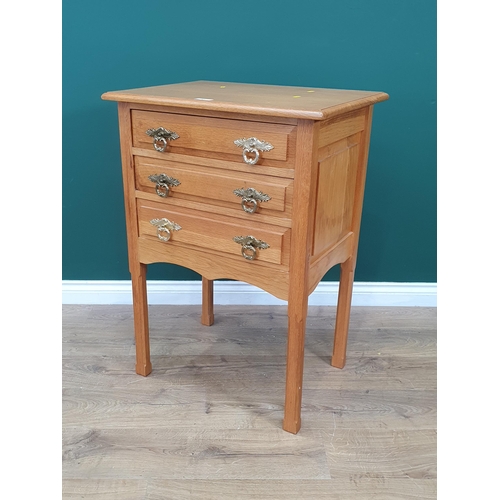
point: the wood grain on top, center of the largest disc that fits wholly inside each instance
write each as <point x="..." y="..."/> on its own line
<point x="268" y="100"/>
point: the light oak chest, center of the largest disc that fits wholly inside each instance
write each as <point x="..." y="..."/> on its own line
<point x="256" y="183"/>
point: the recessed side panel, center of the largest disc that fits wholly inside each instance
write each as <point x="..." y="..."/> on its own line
<point x="335" y="194"/>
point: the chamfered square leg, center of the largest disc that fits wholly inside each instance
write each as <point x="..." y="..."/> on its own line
<point x="294" y="366"/>
<point x="141" y="323"/>
<point x="343" y="313"/>
<point x="207" y="302"/>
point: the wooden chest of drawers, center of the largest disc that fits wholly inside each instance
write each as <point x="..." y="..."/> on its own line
<point x="256" y="183"/>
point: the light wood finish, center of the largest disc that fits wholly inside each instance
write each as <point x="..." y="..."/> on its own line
<point x="207" y="302"/>
<point x="137" y="269"/>
<point x="302" y="229"/>
<point x="265" y="166"/>
<point x="141" y="322"/>
<point x="333" y="217"/>
<point x="266" y="100"/>
<point x="338" y="128"/>
<point x="231" y="115"/>
<point x="338" y="253"/>
<point x="200" y="184"/>
<point x="315" y="176"/>
<point x="210" y="135"/>
<point x="273" y="218"/>
<point x="214" y="265"/>
<point x="205" y="423"/>
<point x="348" y="267"/>
<point x="214" y="234"/>
<point x="343" y="313"/>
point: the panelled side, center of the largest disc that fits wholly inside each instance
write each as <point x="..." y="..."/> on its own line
<point x="339" y="155"/>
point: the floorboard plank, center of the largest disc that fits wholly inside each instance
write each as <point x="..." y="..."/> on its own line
<point x="104" y="489"/>
<point x="341" y="489"/>
<point x="184" y="453"/>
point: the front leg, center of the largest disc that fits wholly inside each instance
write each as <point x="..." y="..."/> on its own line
<point x="141" y="322"/>
<point x="297" y="315"/>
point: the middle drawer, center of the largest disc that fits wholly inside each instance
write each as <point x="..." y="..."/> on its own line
<point x="251" y="193"/>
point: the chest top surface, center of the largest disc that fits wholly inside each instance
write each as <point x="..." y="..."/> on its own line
<point x="267" y="100"/>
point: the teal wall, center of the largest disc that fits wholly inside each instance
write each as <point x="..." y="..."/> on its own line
<point x="387" y="45"/>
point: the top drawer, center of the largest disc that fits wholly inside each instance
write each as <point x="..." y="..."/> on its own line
<point x="212" y="137"/>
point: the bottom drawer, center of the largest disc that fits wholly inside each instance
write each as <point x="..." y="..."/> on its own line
<point x="214" y="234"/>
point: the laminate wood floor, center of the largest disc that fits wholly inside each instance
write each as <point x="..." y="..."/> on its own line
<point x="206" y="423"/>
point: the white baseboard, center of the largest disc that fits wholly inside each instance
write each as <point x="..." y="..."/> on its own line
<point x="235" y="292"/>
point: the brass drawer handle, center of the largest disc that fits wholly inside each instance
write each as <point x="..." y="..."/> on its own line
<point x="252" y="145"/>
<point x="164" y="226"/>
<point x="250" y="198"/>
<point x="163" y="183"/>
<point x="249" y="246"/>
<point x="160" y="137"/>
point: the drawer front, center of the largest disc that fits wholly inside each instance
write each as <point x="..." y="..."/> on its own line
<point x="213" y="136"/>
<point x="209" y="184"/>
<point x="214" y="234"/>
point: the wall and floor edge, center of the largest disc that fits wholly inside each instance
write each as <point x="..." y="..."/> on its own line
<point x="238" y="293"/>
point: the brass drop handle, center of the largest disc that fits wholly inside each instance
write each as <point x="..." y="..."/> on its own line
<point x="160" y="137"/>
<point x="163" y="184"/>
<point x="164" y="228"/>
<point x="253" y="146"/>
<point x="249" y="246"/>
<point x="250" y="198"/>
